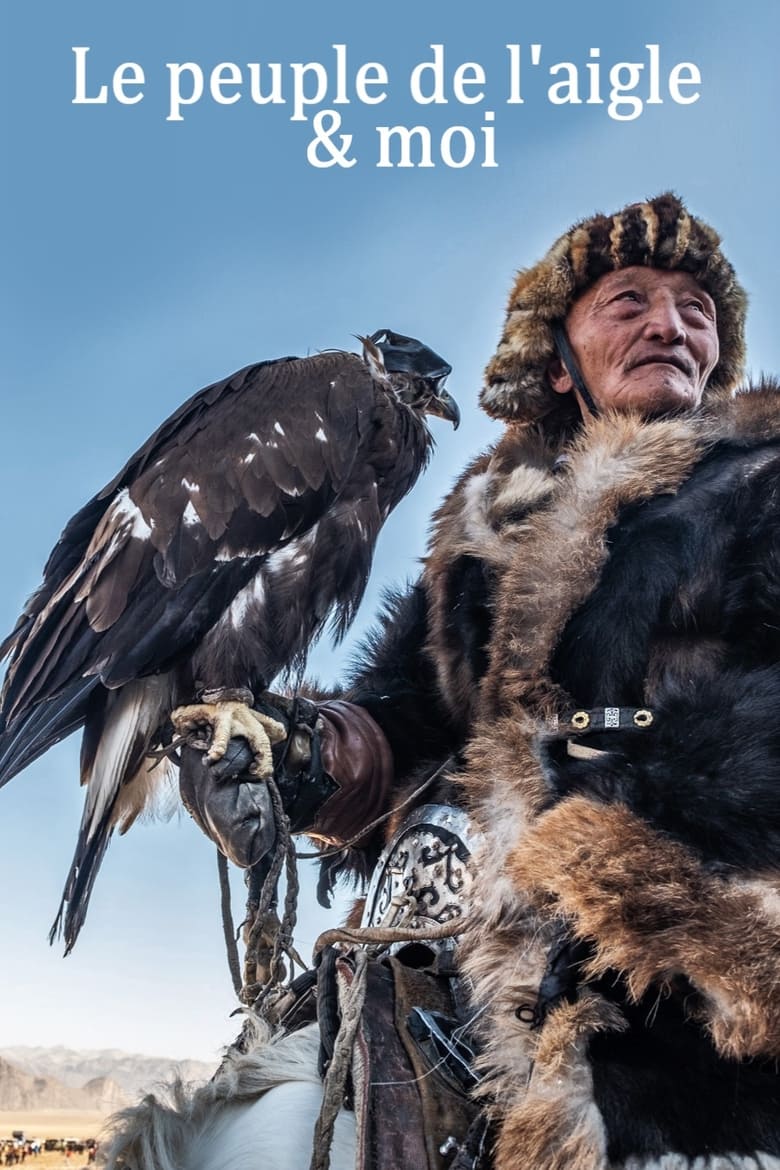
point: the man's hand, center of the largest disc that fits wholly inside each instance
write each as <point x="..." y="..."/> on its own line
<point x="218" y="788"/>
<point x="225" y="721"/>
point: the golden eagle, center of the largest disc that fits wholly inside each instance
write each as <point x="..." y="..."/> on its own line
<point x="210" y="563"/>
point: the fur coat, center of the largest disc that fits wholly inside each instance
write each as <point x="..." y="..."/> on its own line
<point x="624" y="940"/>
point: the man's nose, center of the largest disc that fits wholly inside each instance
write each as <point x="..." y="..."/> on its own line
<point x="664" y="322"/>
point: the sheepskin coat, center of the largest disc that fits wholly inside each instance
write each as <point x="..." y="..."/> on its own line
<point x="624" y="939"/>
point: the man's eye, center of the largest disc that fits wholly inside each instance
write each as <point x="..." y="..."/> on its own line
<point x="628" y="295"/>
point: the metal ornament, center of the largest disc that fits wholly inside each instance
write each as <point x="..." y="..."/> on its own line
<point x="423" y="876"/>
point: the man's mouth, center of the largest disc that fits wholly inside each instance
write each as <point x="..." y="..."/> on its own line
<point x="665" y="359"/>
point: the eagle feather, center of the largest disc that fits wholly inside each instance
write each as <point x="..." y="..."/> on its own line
<point x="213" y="559"/>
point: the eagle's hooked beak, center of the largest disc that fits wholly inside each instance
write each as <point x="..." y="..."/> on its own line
<point x="443" y="405"/>
<point x="407" y="355"/>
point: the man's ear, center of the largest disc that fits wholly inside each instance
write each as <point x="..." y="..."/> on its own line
<point x="559" y="376"/>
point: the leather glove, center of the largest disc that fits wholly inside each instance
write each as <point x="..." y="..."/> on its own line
<point x="233" y="808"/>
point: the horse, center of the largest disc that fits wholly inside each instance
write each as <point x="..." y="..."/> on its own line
<point x="260" y="1109"/>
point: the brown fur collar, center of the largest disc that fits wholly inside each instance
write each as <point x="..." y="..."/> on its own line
<point x="650" y="907"/>
<point x="477" y="521"/>
<point x="535" y="515"/>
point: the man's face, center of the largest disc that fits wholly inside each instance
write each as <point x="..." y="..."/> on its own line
<point x="645" y="339"/>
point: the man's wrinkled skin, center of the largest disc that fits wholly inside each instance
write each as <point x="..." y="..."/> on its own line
<point x="645" y="339"/>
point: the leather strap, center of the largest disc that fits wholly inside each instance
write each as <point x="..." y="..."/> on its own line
<point x="587" y="719"/>
<point x="566" y="354"/>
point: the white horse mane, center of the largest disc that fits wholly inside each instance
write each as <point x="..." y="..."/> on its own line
<point x="258" y="1110"/>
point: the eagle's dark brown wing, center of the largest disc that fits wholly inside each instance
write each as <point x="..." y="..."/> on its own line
<point x="144" y="570"/>
<point x="217" y="554"/>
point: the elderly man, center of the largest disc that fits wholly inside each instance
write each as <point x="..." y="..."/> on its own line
<point x="624" y="934"/>
<point x="592" y="650"/>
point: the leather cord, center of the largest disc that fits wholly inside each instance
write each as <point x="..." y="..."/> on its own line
<point x="566" y="354"/>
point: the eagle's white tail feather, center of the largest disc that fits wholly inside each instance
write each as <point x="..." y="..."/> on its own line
<point x="119" y="771"/>
<point x="151" y="794"/>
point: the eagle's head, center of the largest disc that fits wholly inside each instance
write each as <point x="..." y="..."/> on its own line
<point x="415" y="372"/>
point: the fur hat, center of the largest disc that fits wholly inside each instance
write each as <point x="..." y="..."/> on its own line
<point x="659" y="234"/>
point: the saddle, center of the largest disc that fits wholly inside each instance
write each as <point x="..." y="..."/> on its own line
<point x="411" y="1063"/>
<point x="399" y="1015"/>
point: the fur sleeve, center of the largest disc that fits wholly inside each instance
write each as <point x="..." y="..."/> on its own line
<point x="395" y="681"/>
<point x="654" y="912"/>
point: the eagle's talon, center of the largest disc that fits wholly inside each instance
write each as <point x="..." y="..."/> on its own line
<point x="231" y="720"/>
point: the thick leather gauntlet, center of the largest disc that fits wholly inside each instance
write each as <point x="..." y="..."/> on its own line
<point x="333" y="771"/>
<point x="237" y="816"/>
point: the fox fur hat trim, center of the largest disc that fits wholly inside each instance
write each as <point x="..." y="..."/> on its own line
<point x="658" y="234"/>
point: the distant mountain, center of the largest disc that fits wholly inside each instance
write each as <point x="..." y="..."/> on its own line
<point x="19" y="1090"/>
<point x="100" y="1074"/>
<point x="106" y="1095"/>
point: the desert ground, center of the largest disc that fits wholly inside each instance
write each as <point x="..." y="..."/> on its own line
<point x="53" y="1123"/>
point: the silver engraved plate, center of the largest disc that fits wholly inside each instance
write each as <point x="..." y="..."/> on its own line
<point x="423" y="876"/>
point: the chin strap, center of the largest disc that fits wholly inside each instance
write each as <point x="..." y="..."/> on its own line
<point x="566" y="354"/>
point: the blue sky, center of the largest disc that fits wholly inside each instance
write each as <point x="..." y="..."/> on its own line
<point x="144" y="258"/>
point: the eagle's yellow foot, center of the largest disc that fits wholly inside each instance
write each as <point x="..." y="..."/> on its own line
<point x="229" y="720"/>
